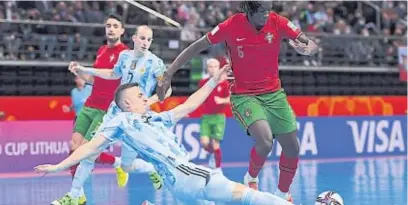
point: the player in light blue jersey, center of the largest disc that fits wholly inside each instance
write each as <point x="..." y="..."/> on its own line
<point x="146" y="134"/>
<point x="133" y="66"/>
<point x="79" y="94"/>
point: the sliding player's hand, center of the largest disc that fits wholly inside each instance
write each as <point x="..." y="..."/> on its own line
<point x="163" y="85"/>
<point x="46" y="168"/>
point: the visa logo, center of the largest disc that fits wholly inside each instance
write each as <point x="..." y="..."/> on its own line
<point x="377" y="136"/>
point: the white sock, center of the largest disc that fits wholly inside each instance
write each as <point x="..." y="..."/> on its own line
<point x="141" y="166"/>
<point x="284" y="195"/>
<point x="117" y="163"/>
<point x="82" y="173"/>
<point x="82" y="192"/>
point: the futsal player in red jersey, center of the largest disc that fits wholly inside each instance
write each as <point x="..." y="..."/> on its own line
<point x="258" y="102"/>
<point x="95" y="107"/>
<point x="213" y="119"/>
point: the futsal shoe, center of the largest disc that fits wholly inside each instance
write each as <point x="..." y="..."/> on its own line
<point x="82" y="200"/>
<point x="156" y="179"/>
<point x="283" y="195"/>
<point x="122" y="177"/>
<point x="66" y="200"/>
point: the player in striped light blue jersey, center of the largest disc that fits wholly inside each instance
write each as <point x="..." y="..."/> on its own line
<point x="147" y="135"/>
<point x="133" y="66"/>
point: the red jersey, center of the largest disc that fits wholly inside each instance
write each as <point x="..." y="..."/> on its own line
<point x="103" y="90"/>
<point x="209" y="107"/>
<point x="254" y="55"/>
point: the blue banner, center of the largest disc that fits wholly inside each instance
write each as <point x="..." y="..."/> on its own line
<point x="319" y="137"/>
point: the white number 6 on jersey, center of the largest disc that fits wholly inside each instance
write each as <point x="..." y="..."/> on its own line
<point x="240" y="52"/>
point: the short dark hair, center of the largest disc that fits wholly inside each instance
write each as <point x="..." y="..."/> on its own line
<point x="249" y="7"/>
<point x="116" y="17"/>
<point x="119" y="91"/>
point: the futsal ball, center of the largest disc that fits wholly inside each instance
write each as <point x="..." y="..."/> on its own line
<point x="329" y="198"/>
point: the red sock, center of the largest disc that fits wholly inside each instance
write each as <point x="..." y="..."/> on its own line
<point x="256" y="163"/>
<point x="73" y="168"/>
<point x="287" y="167"/>
<point x="209" y="148"/>
<point x="105" y="158"/>
<point x="217" y="156"/>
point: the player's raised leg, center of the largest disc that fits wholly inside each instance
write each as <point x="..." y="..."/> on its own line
<point x="282" y="120"/>
<point x="82" y="124"/>
<point x="106" y="158"/>
<point x="288" y="163"/>
<point x="250" y="113"/>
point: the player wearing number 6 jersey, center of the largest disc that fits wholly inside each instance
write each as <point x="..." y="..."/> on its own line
<point x="147" y="135"/>
<point x="253" y="40"/>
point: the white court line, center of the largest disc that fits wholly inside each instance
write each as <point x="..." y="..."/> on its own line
<point x="101" y="171"/>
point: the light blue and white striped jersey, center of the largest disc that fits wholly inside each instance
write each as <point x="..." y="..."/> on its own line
<point x="151" y="137"/>
<point x="144" y="70"/>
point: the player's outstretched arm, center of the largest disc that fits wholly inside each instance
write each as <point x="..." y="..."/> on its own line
<point x="197" y="98"/>
<point x="86" y="73"/>
<point x="87" y="78"/>
<point x="95" y="146"/>
<point x="185" y="56"/>
<point x="107" y="74"/>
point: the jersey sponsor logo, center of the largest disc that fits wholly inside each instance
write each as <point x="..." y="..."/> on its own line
<point x="240" y="39"/>
<point x="292" y="26"/>
<point x="215" y="30"/>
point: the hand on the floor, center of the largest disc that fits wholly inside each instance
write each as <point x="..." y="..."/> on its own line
<point x="46" y="168"/>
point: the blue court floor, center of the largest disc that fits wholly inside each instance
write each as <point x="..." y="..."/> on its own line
<point x="381" y="181"/>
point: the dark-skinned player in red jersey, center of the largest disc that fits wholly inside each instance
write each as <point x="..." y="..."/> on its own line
<point x="258" y="102"/>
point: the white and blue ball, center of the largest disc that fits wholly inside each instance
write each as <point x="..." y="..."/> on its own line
<point x="329" y="198"/>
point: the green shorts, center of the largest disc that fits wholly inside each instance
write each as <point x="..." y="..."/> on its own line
<point x="88" y="121"/>
<point x="213" y="126"/>
<point x="272" y="107"/>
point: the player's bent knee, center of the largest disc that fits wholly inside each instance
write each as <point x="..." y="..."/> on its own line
<point x="264" y="146"/>
<point x="292" y="152"/>
<point x="204" y="141"/>
<point x="290" y="144"/>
